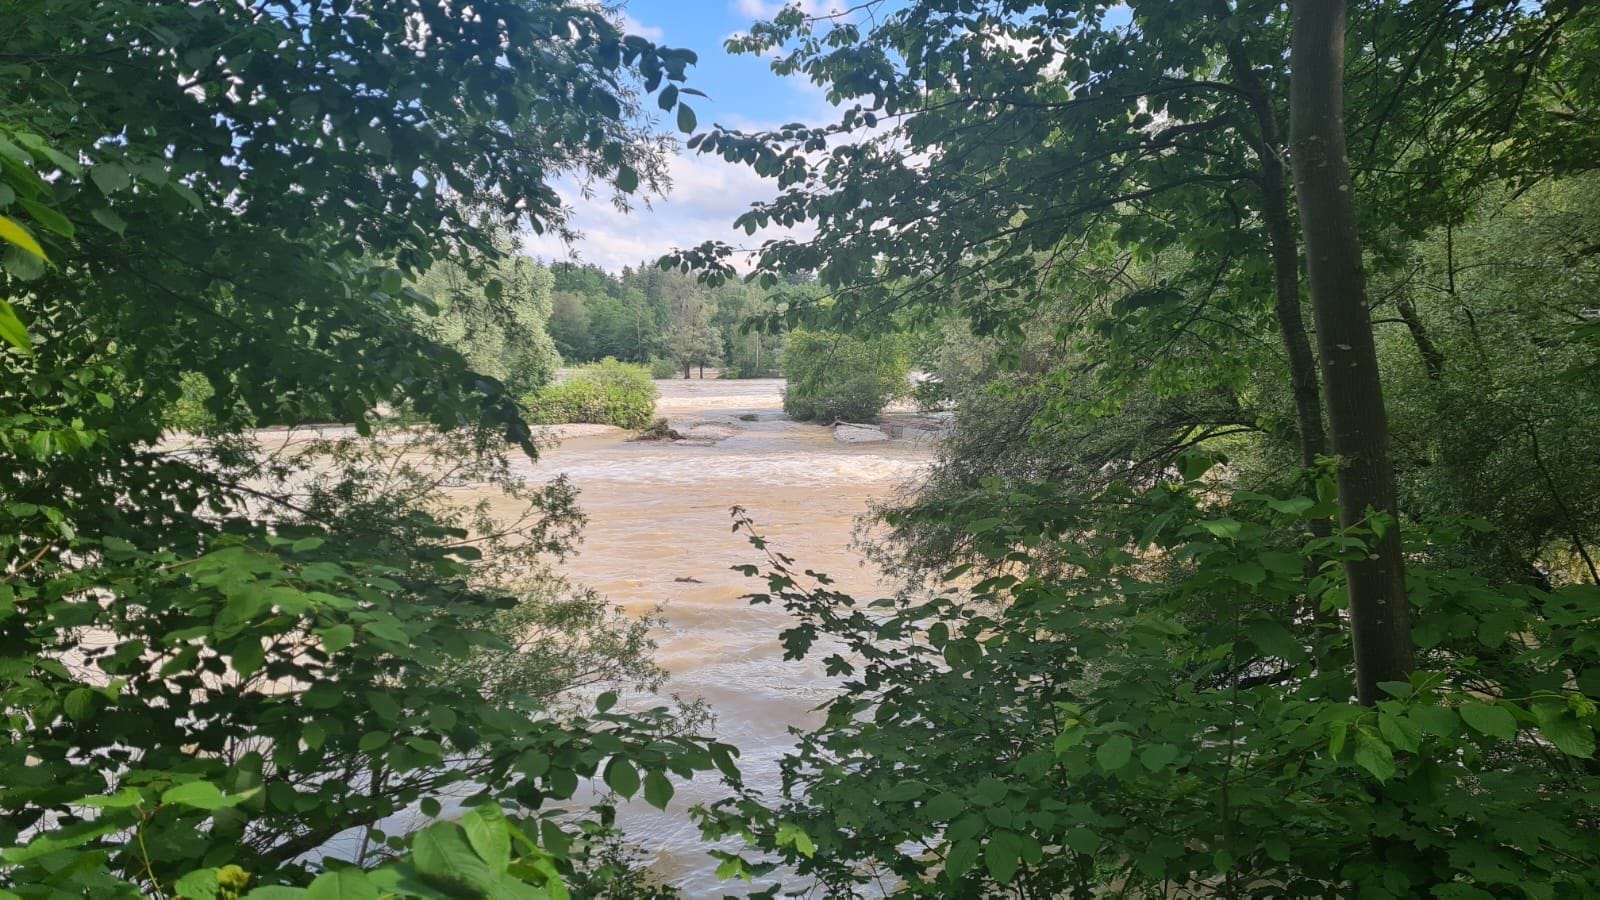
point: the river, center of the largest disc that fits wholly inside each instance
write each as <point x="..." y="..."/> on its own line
<point x="659" y="511"/>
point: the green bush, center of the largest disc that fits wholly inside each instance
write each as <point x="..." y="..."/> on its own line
<point x="662" y="368"/>
<point x="839" y="376"/>
<point x="604" y="393"/>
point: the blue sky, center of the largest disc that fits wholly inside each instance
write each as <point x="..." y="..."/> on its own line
<point x="708" y="194"/>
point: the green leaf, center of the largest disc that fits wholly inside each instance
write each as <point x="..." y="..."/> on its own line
<point x="49" y="218"/>
<point x="1434" y="720"/>
<point x="622" y="776"/>
<point x="487" y="832"/>
<point x="1293" y="506"/>
<point x="1374" y="756"/>
<point x="1273" y="639"/>
<point x="792" y="834"/>
<point x="336" y="637"/>
<point x="441" y="853"/>
<point x="12" y="331"/>
<point x="1158" y="756"/>
<point x="248" y="655"/>
<point x="627" y="179"/>
<point x="1250" y="573"/>
<point x="126" y="798"/>
<point x="604" y="702"/>
<point x="1337" y="733"/>
<point x="110" y="220"/>
<point x="1002" y="855"/>
<point x="72" y="836"/>
<point x="1490" y="720"/>
<point x="944" y="807"/>
<point x="1399" y="733"/>
<point x="344" y="884"/>
<point x="198" y="794"/>
<point x="658" y="789"/>
<point x="904" y="791"/>
<point x="1560" y="727"/>
<point x="201" y="884"/>
<point x="963" y="854"/>
<point x="13" y="233"/>
<point x="731" y="867"/>
<point x="79" y="704"/>
<point x="109" y="177"/>
<point x="375" y="140"/>
<point x="686" y="118"/>
<point x="1114" y="753"/>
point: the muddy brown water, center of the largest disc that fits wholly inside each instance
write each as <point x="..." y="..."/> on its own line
<point x="659" y="512"/>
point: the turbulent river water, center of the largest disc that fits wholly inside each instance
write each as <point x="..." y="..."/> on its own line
<point x="659" y="511"/>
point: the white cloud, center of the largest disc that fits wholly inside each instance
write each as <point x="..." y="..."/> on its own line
<point x="631" y="25"/>
<point x="707" y="195"/>
<point x="766" y="9"/>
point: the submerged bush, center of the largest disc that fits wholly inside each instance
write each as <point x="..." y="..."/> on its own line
<point x="605" y="393"/>
<point x="840" y="376"/>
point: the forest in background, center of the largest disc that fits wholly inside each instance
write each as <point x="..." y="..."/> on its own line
<point x="648" y="315"/>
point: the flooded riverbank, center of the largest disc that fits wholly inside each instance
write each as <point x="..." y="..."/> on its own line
<point x="658" y="512"/>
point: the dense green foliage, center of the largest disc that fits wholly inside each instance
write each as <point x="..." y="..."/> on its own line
<point x="495" y="320"/>
<point x="1125" y="658"/>
<point x="220" y="656"/>
<point x="832" y="376"/>
<point x="1492" y="380"/>
<point x="603" y="393"/>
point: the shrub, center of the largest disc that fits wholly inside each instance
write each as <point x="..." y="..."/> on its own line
<point x="839" y="376"/>
<point x="662" y="368"/>
<point x="604" y="393"/>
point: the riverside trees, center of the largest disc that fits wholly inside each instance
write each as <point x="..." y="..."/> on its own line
<point x="215" y="661"/>
<point x="1156" y="654"/>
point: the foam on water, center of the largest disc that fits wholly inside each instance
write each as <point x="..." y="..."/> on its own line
<point x="659" y="512"/>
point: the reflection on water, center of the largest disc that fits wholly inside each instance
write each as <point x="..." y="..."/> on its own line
<point x="659" y="512"/>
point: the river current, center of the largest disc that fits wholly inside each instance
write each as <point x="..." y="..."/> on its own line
<point x="659" y="512"/>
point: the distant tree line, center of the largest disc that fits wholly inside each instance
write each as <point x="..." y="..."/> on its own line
<point x="666" y="318"/>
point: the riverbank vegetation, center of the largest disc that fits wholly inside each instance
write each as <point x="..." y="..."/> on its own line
<point x="831" y="376"/>
<point x="234" y="667"/>
<point x="1260" y="561"/>
<point x="604" y="393"/>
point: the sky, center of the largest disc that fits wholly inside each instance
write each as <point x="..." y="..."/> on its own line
<point x="708" y="193"/>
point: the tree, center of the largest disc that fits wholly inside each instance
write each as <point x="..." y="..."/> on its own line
<point x="1380" y="614"/>
<point x="751" y="350"/>
<point x="1122" y="673"/>
<point x="832" y="376"/>
<point x="569" y="326"/>
<point x="689" y="338"/>
<point x="1056" y="130"/>
<point x="498" y="323"/>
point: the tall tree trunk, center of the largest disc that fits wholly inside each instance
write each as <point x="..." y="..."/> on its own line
<point x="1379" y="616"/>
<point x="1286" y="307"/>
<point x="1275" y="214"/>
